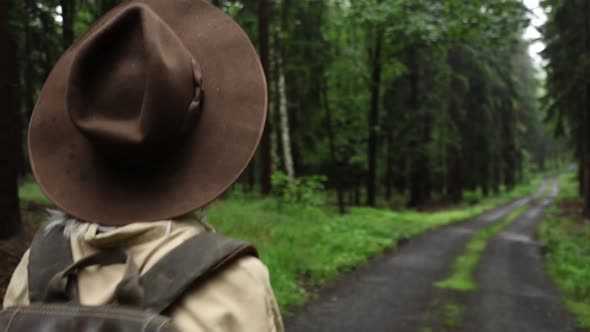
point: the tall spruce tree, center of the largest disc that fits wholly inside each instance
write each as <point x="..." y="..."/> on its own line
<point x="9" y="129"/>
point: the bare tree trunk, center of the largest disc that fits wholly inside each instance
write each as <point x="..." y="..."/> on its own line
<point x="336" y="165"/>
<point x="455" y="183"/>
<point x="68" y="10"/>
<point x="586" y="123"/>
<point x="9" y="130"/>
<point x="273" y="109"/>
<point x="23" y="165"/>
<point x="283" y="115"/>
<point x="374" y="116"/>
<point x="389" y="167"/>
<point x="29" y="74"/>
<point x="580" y="143"/>
<point x="106" y="5"/>
<point x="418" y="170"/>
<point x="274" y="138"/>
<point x="251" y="174"/>
<point x="265" y="146"/>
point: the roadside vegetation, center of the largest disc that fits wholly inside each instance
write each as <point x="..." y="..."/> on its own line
<point x="306" y="246"/>
<point x="462" y="277"/>
<point x="565" y="239"/>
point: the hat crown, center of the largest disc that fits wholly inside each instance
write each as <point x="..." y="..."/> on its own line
<point x="127" y="89"/>
<point x="134" y="90"/>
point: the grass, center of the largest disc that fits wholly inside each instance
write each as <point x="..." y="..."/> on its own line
<point x="29" y="192"/>
<point x="306" y="246"/>
<point x="447" y="317"/>
<point x="453" y="315"/>
<point x="462" y="278"/>
<point x="565" y="239"/>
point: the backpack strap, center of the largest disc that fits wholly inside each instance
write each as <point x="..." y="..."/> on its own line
<point x="189" y="263"/>
<point x="50" y="253"/>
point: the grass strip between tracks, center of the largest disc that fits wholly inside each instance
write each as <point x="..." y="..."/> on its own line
<point x="462" y="278"/>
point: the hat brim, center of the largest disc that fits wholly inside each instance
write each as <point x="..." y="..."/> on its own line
<point x="78" y="180"/>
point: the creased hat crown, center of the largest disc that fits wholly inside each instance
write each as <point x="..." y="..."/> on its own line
<point x="134" y="89"/>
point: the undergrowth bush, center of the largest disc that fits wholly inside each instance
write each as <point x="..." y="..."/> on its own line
<point x="302" y="190"/>
<point x="472" y="197"/>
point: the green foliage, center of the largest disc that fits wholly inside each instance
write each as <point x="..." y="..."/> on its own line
<point x="29" y="192"/>
<point x="457" y="87"/>
<point x="566" y="244"/>
<point x="302" y="190"/>
<point x="472" y="197"/>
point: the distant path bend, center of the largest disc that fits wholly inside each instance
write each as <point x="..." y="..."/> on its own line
<point x="392" y="292"/>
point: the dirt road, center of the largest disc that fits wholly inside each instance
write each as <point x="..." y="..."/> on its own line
<point x="393" y="292"/>
<point x="515" y="294"/>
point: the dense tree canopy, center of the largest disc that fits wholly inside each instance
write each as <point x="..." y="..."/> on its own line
<point x="567" y="34"/>
<point x="422" y="100"/>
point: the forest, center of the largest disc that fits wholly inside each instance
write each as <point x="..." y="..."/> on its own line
<point x="457" y="129"/>
<point x="395" y="104"/>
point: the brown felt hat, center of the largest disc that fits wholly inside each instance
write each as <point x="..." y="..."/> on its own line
<point x="153" y="113"/>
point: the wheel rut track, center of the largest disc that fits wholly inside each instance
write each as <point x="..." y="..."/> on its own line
<point x="515" y="294"/>
<point x="392" y="292"/>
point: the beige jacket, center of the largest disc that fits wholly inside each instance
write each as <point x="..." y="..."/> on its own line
<point x="240" y="298"/>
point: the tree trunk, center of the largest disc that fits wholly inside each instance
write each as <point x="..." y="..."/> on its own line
<point x="455" y="189"/>
<point x="580" y="143"/>
<point x="251" y="174"/>
<point x="337" y="166"/>
<point x="273" y="110"/>
<point x="495" y="176"/>
<point x="485" y="189"/>
<point x="29" y="66"/>
<point x="265" y="145"/>
<point x="455" y="182"/>
<point x="374" y="115"/>
<point x="400" y="179"/>
<point x="424" y="156"/>
<point x="23" y="165"/>
<point x="508" y="143"/>
<point x="418" y="168"/>
<point x="281" y="94"/>
<point x="284" y="116"/>
<point x="68" y="10"/>
<point x="389" y="167"/>
<point x="105" y="6"/>
<point x="9" y="131"/>
<point x="586" y="122"/>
